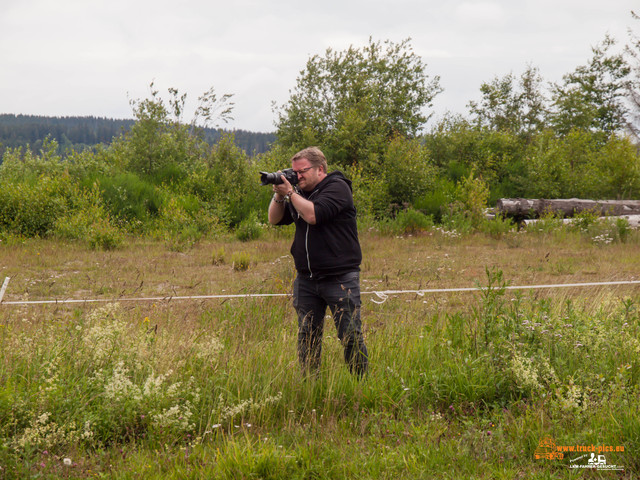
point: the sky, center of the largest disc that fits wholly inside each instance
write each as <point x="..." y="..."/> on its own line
<point x="91" y="57"/>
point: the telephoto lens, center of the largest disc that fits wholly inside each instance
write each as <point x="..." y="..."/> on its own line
<point x="275" y="178"/>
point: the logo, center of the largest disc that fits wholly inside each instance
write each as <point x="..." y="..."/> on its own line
<point x="593" y="457"/>
<point x="547" y="449"/>
<point x="595" y="462"/>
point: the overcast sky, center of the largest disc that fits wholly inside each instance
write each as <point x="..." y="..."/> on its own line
<point x="89" y="57"/>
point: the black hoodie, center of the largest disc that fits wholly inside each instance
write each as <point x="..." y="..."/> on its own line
<point x="331" y="246"/>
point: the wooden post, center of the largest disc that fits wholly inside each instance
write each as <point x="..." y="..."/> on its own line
<point x="4" y="287"/>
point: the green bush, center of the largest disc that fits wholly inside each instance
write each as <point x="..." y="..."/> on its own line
<point x="130" y="198"/>
<point x="370" y="193"/>
<point x="407" y="170"/>
<point x="183" y="221"/>
<point x="27" y="166"/>
<point x="408" y="222"/>
<point x="89" y="222"/>
<point x="496" y="227"/>
<point x="467" y="211"/>
<point x="241" y="261"/>
<point x="218" y="257"/>
<point x="434" y="202"/>
<point x="103" y="235"/>
<point x="249" y="228"/>
<point x="31" y="209"/>
<point x="455" y="217"/>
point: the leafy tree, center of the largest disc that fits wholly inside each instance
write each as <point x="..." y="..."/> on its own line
<point x="591" y="97"/>
<point x="616" y="169"/>
<point x="557" y="166"/>
<point x="352" y="102"/>
<point x="512" y="105"/>
<point x="160" y="140"/>
<point x="459" y="148"/>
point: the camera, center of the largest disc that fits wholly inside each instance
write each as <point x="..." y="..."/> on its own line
<point x="276" y="177"/>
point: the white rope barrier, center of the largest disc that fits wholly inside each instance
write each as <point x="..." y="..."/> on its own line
<point x="382" y="296"/>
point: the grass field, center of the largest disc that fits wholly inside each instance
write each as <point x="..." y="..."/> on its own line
<point x="461" y="385"/>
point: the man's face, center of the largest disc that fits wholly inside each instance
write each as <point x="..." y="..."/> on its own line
<point x="308" y="176"/>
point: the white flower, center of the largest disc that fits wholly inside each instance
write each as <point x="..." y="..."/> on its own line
<point x="67" y="462"/>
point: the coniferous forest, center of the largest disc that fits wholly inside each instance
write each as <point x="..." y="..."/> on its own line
<point x="80" y="133"/>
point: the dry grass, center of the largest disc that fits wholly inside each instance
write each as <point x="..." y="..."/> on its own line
<point x="53" y="270"/>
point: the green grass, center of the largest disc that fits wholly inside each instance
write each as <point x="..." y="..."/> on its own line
<point x="461" y="385"/>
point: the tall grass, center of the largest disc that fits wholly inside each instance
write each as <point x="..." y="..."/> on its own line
<point x="460" y="386"/>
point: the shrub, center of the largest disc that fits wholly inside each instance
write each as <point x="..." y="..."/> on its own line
<point x="496" y="227"/>
<point x="240" y="261"/>
<point x="456" y="218"/>
<point x="183" y="220"/>
<point x="467" y="211"/>
<point x="89" y="222"/>
<point x="103" y="235"/>
<point x="31" y="209"/>
<point x="130" y="198"/>
<point x="408" y="222"/>
<point x="584" y="221"/>
<point x="28" y="166"/>
<point x="622" y="228"/>
<point x="218" y="257"/>
<point x="249" y="228"/>
<point x="434" y="202"/>
<point x="370" y="194"/>
<point x="407" y="170"/>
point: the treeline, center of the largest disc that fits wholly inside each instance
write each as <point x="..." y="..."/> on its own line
<point x="367" y="109"/>
<point x="80" y="133"/>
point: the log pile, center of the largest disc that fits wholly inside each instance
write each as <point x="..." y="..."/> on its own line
<point x="522" y="208"/>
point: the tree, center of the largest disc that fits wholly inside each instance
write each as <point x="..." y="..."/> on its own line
<point x="352" y="102"/>
<point x="592" y="97"/>
<point x="510" y="107"/>
<point x="159" y="139"/>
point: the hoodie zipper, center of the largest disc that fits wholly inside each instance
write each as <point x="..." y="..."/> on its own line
<point x="306" y="248"/>
<point x="306" y="242"/>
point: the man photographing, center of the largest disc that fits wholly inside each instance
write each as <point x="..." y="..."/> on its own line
<point x="327" y="256"/>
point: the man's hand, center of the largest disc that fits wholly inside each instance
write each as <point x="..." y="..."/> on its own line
<point x="283" y="188"/>
<point x="304" y="207"/>
<point x="276" y="207"/>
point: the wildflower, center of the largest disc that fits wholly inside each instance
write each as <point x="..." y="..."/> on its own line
<point x="67" y="462"/>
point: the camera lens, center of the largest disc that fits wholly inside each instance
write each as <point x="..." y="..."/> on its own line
<point x="268" y="178"/>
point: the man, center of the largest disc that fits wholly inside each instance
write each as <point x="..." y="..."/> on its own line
<point x="327" y="256"/>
